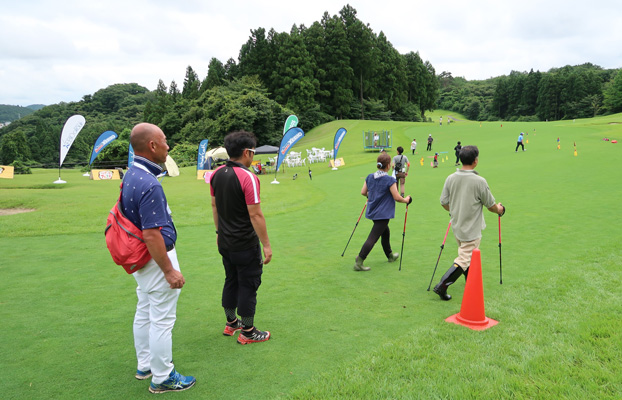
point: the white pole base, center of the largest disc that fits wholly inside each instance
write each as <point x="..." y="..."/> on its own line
<point x="59" y="181"/>
<point x="275" y="182"/>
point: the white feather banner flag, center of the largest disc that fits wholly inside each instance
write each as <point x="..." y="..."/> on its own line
<point x="72" y="127"/>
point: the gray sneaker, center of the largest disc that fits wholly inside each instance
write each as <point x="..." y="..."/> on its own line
<point x="358" y="265"/>
<point x="393" y="257"/>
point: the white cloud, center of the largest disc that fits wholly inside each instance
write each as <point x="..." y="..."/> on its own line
<point x="52" y="51"/>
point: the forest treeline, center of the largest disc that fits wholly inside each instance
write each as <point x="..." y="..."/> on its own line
<point x="337" y="68"/>
<point x="570" y="92"/>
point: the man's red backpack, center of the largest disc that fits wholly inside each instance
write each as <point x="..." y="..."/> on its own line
<point x="125" y="241"/>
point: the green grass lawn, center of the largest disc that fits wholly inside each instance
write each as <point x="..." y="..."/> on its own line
<point x="67" y="309"/>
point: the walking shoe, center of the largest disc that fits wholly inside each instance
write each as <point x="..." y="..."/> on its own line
<point x="394" y="257"/>
<point x="175" y="382"/>
<point x="358" y="265"/>
<point x="232" y="327"/>
<point x="142" y="375"/>
<point x="254" y="336"/>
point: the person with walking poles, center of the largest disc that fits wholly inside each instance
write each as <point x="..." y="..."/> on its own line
<point x="240" y="226"/>
<point x="430" y="140"/>
<point x="413" y="146"/>
<point x="160" y="281"/>
<point x="400" y="166"/>
<point x="519" y="142"/>
<point x="380" y="188"/>
<point x="457" y="151"/>
<point x="464" y="194"/>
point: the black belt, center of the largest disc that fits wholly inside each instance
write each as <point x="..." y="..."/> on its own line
<point x="170" y="247"/>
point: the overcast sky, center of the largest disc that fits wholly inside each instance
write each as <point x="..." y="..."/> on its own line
<point x="61" y="50"/>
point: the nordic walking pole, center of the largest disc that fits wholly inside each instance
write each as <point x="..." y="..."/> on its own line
<point x="500" y="269"/>
<point x="357" y="223"/>
<point x="404" y="235"/>
<point x="439" y="255"/>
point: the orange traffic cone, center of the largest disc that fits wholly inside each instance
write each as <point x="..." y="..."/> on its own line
<point x="472" y="314"/>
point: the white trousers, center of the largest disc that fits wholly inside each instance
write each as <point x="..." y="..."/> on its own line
<point x="156" y="312"/>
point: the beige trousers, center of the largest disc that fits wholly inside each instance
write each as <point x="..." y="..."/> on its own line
<point x="465" y="250"/>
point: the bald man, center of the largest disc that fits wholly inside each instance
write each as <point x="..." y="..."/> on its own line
<point x="160" y="281"/>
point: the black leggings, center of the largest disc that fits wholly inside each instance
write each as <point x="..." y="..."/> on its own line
<point x="380" y="228"/>
<point x="519" y="144"/>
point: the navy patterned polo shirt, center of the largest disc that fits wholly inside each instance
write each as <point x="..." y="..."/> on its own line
<point x="143" y="200"/>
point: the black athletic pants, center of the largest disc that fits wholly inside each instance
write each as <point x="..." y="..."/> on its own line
<point x="429" y="146"/>
<point x="380" y="229"/>
<point x="519" y="144"/>
<point x="243" y="271"/>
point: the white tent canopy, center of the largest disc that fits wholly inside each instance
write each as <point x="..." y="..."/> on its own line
<point x="219" y="153"/>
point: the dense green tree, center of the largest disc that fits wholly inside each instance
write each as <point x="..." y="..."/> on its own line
<point x="315" y="43"/>
<point x="549" y="96"/>
<point x="241" y="104"/>
<point x="430" y="94"/>
<point x="185" y="154"/>
<point x="192" y="85"/>
<point x="613" y="94"/>
<point x="421" y="83"/>
<point x="173" y="92"/>
<point x="500" y="101"/>
<point x="216" y="75"/>
<point x="231" y="70"/>
<point x="157" y="108"/>
<point x="391" y="75"/>
<point x="339" y="74"/>
<point x="529" y="96"/>
<point x="14" y="147"/>
<point x="293" y="77"/>
<point x="363" y="58"/>
<point x="473" y="109"/>
<point x="114" y="155"/>
<point x="110" y="99"/>
<point x="256" y="56"/>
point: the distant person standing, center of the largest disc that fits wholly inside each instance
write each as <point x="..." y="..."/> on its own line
<point x="464" y="194"/>
<point x="440" y="121"/>
<point x="457" y="150"/>
<point x="430" y="140"/>
<point x="240" y="227"/>
<point x="381" y="191"/>
<point x="376" y="139"/>
<point x="401" y="166"/>
<point x="413" y="146"/>
<point x="520" y="142"/>
<point x="435" y="160"/>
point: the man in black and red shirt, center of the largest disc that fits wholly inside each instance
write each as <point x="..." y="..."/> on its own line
<point x="240" y="226"/>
